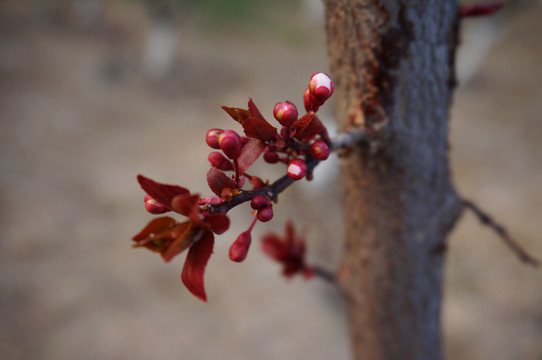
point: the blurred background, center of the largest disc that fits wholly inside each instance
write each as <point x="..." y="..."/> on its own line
<point x="94" y="92"/>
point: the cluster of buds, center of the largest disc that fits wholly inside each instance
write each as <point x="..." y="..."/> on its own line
<point x="299" y="144"/>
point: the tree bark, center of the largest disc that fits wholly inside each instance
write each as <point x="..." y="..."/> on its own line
<point x="392" y="63"/>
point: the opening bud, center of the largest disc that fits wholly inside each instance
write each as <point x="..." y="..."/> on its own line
<point x="265" y="214"/>
<point x="321" y="88"/>
<point x="230" y="143"/>
<point x="319" y="150"/>
<point x="211" y="138"/>
<point x="153" y="206"/>
<point x="285" y="112"/>
<point x="219" y="161"/>
<point x="239" y="249"/>
<point x="297" y="169"/>
<point x="259" y="202"/>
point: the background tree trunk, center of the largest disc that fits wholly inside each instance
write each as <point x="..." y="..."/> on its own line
<point x="392" y="63"/>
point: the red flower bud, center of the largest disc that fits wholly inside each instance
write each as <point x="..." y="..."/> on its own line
<point x="271" y="157"/>
<point x="219" y="161"/>
<point x="285" y="113"/>
<point x="309" y="101"/>
<point x="265" y="214"/>
<point x="153" y="206"/>
<point x="230" y="143"/>
<point x="211" y="138"/>
<point x="297" y="169"/>
<point x="319" y="150"/>
<point x="239" y="249"/>
<point x="321" y="88"/>
<point x="259" y="202"/>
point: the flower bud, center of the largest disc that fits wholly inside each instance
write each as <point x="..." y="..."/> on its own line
<point x="211" y="138"/>
<point x="285" y="113"/>
<point x="297" y="169"/>
<point x="239" y="249"/>
<point x="230" y="143"/>
<point x="219" y="161"/>
<point x="265" y="214"/>
<point x="153" y="206"/>
<point x="321" y="88"/>
<point x="271" y="157"/>
<point x="259" y="202"/>
<point x="319" y="150"/>
<point x="309" y="101"/>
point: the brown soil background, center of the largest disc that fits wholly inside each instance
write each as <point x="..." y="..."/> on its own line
<point x="79" y="119"/>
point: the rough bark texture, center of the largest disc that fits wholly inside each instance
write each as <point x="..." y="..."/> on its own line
<point x="392" y="64"/>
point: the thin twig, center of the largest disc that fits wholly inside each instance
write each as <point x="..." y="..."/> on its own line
<point x="324" y="274"/>
<point x="348" y="138"/>
<point x="502" y="232"/>
<point x="338" y="142"/>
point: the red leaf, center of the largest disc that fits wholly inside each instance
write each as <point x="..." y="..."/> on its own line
<point x="304" y="121"/>
<point x="314" y="128"/>
<point x="154" y="226"/>
<point x="218" y="181"/>
<point x="218" y="223"/>
<point x="259" y="129"/>
<point x="480" y="9"/>
<point x="250" y="153"/>
<point x="194" y="266"/>
<point x="163" y="193"/>
<point x="253" y="110"/>
<point x="239" y="115"/>
<point x="187" y="205"/>
<point x="184" y="239"/>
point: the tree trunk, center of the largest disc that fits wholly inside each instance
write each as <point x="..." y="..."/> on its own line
<point x="392" y="63"/>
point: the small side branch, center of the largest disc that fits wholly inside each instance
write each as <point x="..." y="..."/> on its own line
<point x="341" y="141"/>
<point x="347" y="138"/>
<point x="324" y="274"/>
<point x="502" y="232"/>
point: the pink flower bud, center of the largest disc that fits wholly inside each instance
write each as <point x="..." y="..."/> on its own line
<point x="259" y="202"/>
<point x="265" y="214"/>
<point x="211" y="138"/>
<point x="271" y="157"/>
<point x="309" y="101"/>
<point x="153" y="206"/>
<point x="297" y="169"/>
<point x="239" y="249"/>
<point x="319" y="150"/>
<point x="230" y="143"/>
<point x="321" y="88"/>
<point x="219" y="161"/>
<point x="285" y="113"/>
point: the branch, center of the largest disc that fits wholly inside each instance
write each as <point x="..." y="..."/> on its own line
<point x="347" y="138"/>
<point x="324" y="274"/>
<point x="340" y="141"/>
<point x="502" y="232"/>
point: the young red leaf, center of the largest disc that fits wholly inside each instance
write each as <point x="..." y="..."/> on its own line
<point x="194" y="266"/>
<point x="163" y="193"/>
<point x="254" y="111"/>
<point x="238" y="114"/>
<point x="218" y="181"/>
<point x="259" y="129"/>
<point x="184" y="237"/>
<point x="187" y="205"/>
<point x="483" y="9"/>
<point x="250" y="153"/>
<point x="154" y="226"/>
<point x="315" y="127"/>
<point x="301" y="124"/>
<point x="218" y="223"/>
